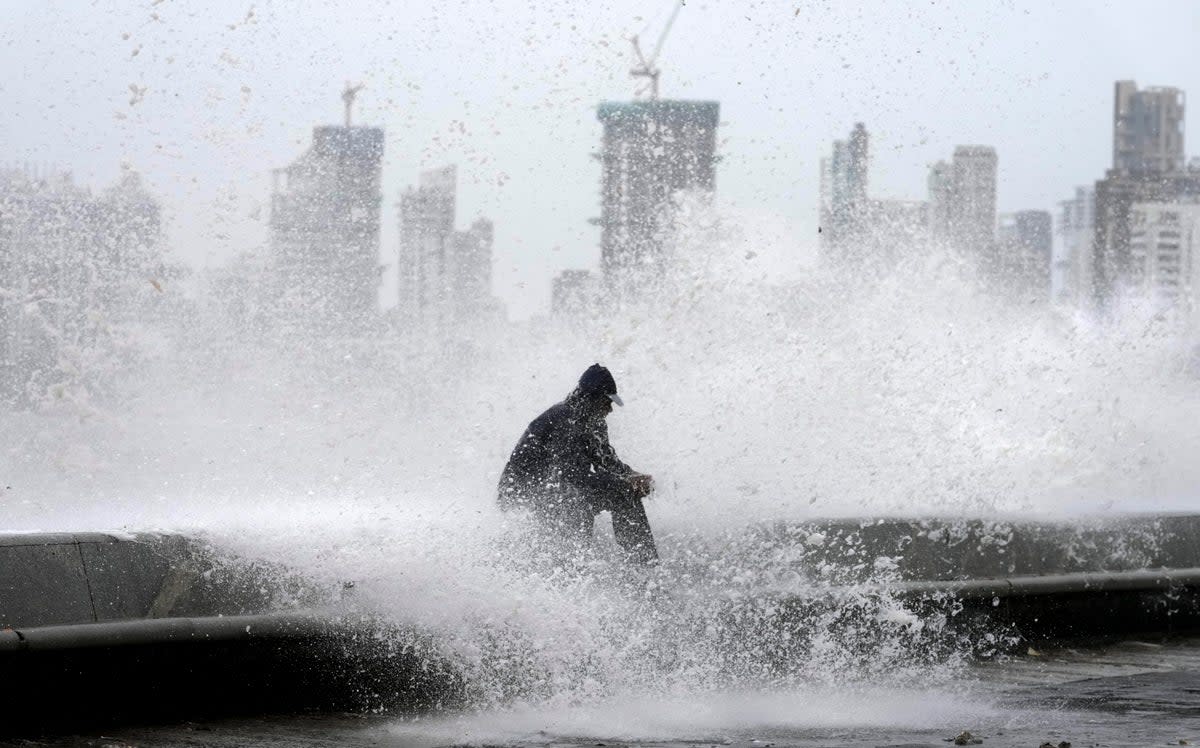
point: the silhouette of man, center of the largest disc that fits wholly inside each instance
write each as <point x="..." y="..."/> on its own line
<point x="564" y="472"/>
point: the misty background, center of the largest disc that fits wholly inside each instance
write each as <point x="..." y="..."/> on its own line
<point x="204" y="99"/>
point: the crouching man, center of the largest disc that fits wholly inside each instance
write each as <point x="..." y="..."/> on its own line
<point x="564" y="472"/>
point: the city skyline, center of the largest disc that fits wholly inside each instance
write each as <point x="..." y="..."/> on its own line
<point x="224" y="122"/>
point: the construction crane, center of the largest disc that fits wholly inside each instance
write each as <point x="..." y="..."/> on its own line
<point x="348" y="98"/>
<point x="646" y="68"/>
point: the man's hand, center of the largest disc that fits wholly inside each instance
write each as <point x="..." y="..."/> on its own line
<point x="642" y="485"/>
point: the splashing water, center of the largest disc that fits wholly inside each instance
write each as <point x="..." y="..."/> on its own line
<point x="839" y="394"/>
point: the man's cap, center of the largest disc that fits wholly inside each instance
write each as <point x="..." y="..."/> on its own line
<point x="598" y="380"/>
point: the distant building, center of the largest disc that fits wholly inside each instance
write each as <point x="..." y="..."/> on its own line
<point x="940" y="185"/>
<point x="962" y="199"/>
<point x="897" y="223"/>
<point x="1164" y="258"/>
<point x="974" y="206"/>
<point x="573" y="293"/>
<point x="1025" y="245"/>
<point x="427" y="218"/>
<point x="1148" y="167"/>
<point x="74" y="267"/>
<point x="1076" y="229"/>
<point x="445" y="275"/>
<point x="1115" y="196"/>
<point x="844" y="204"/>
<point x="325" y="213"/>
<point x="1147" y="129"/>
<point x="653" y="152"/>
<point x="469" y="272"/>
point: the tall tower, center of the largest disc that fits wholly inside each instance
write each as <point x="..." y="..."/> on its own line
<point x="1076" y="227"/>
<point x="652" y="152"/>
<point x="426" y="232"/>
<point x="1026" y="245"/>
<point x="941" y="200"/>
<point x="325" y="211"/>
<point x="1148" y="167"/>
<point x="1147" y="129"/>
<point x="973" y="215"/>
<point x="844" y="205"/>
<point x="445" y="274"/>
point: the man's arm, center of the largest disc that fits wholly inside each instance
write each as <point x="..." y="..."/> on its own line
<point x="640" y="483"/>
<point x="604" y="454"/>
<point x="600" y="472"/>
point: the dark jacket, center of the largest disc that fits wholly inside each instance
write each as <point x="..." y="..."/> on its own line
<point x="563" y="467"/>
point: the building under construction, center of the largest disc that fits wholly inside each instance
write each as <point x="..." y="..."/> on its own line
<point x="325" y="211"/>
<point x="653" y="152"/>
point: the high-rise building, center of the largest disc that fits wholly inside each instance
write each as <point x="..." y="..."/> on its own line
<point x="1115" y="196"/>
<point x="1076" y="222"/>
<point x="445" y="274"/>
<point x="1164" y="256"/>
<point x="1025" y="242"/>
<point x="652" y="153"/>
<point x="1147" y="129"/>
<point x="427" y="218"/>
<point x="469" y="271"/>
<point x="1148" y="167"/>
<point x="974" y="214"/>
<point x="940" y="184"/>
<point x="962" y="199"/>
<point x="844" y="204"/>
<point x="325" y="211"/>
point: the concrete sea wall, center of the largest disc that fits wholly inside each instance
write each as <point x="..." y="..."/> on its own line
<point x="99" y="628"/>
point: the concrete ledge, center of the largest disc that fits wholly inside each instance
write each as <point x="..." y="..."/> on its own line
<point x="951" y="548"/>
<point x="1144" y="580"/>
<point x="163" y="631"/>
<point x="98" y="628"/>
<point x="64" y="579"/>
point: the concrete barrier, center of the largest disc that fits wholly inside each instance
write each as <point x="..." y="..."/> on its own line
<point x="124" y="627"/>
<point x="935" y="548"/>
<point x="57" y="579"/>
<point x="97" y="629"/>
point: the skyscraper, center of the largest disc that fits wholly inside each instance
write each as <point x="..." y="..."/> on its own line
<point x="941" y="200"/>
<point x="427" y="216"/>
<point x="653" y="152"/>
<point x="445" y="274"/>
<point x="962" y="199"/>
<point x="1164" y="257"/>
<point x="325" y="211"/>
<point x="974" y="213"/>
<point x="1148" y="167"/>
<point x="1076" y="221"/>
<point x="1147" y="129"/>
<point x="844" y="205"/>
<point x="1025" y="246"/>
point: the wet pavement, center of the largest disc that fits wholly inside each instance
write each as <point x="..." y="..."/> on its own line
<point x="1128" y="694"/>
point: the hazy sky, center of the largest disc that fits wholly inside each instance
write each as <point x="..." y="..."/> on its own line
<point x="507" y="90"/>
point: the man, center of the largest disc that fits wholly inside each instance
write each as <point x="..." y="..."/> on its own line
<point x="564" y="471"/>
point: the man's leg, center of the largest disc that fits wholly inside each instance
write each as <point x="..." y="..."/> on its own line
<point x="631" y="529"/>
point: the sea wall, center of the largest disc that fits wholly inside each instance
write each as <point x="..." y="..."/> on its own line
<point x="99" y="628"/>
